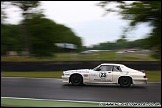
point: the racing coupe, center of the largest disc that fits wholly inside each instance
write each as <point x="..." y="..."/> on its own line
<point x="105" y="73"/>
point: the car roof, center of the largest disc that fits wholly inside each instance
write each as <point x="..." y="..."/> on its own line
<point x="112" y="64"/>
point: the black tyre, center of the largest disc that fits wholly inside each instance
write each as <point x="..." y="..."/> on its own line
<point x="76" y="79"/>
<point x="125" y="81"/>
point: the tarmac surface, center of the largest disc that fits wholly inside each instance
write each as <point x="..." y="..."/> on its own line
<point x="52" y="88"/>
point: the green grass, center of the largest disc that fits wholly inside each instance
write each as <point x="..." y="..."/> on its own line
<point x="23" y="58"/>
<point x="77" y="56"/>
<point x="43" y="103"/>
<point x="153" y="76"/>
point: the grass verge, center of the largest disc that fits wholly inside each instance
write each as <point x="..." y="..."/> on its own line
<point x="43" y="103"/>
<point x="153" y="76"/>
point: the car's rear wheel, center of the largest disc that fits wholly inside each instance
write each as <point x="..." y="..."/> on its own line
<point x="76" y="79"/>
<point x="125" y="81"/>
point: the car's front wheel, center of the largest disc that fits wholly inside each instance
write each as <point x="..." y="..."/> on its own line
<point x="76" y="79"/>
<point x="125" y="81"/>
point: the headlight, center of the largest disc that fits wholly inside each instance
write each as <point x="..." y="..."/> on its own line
<point x="65" y="73"/>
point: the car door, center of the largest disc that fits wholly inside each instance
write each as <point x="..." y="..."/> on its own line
<point x="116" y="72"/>
<point x="101" y="74"/>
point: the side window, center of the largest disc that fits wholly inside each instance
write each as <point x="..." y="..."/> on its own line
<point x="106" y="68"/>
<point x="117" y="69"/>
<point x="103" y="68"/>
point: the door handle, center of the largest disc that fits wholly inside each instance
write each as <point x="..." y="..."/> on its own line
<point x="109" y="72"/>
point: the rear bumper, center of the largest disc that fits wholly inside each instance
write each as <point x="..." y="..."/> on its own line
<point x="140" y="81"/>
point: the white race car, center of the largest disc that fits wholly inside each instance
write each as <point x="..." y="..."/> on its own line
<point x="105" y="73"/>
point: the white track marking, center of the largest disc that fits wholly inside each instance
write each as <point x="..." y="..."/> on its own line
<point x="49" y="100"/>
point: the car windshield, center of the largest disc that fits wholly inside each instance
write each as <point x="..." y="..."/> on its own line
<point x="96" y="68"/>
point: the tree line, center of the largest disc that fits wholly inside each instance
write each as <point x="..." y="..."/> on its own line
<point x="35" y="34"/>
<point x="121" y="44"/>
<point x="138" y="12"/>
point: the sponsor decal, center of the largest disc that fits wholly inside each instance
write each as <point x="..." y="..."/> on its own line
<point x="97" y="79"/>
<point x="85" y="75"/>
<point x="104" y="80"/>
<point x="79" y="71"/>
<point x="93" y="74"/>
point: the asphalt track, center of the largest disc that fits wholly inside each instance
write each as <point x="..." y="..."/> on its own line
<point x="55" y="89"/>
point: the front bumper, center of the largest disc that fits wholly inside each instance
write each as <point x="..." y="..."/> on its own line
<point x="65" y="79"/>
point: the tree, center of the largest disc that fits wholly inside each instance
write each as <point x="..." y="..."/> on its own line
<point x="140" y="12"/>
<point x="11" y="38"/>
<point x="66" y="35"/>
<point x="39" y="33"/>
<point x="42" y="36"/>
<point x="3" y="16"/>
<point x="44" y="33"/>
<point x="4" y="5"/>
<point x="28" y="9"/>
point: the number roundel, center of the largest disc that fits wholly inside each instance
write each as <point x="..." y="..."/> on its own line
<point x="102" y="75"/>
